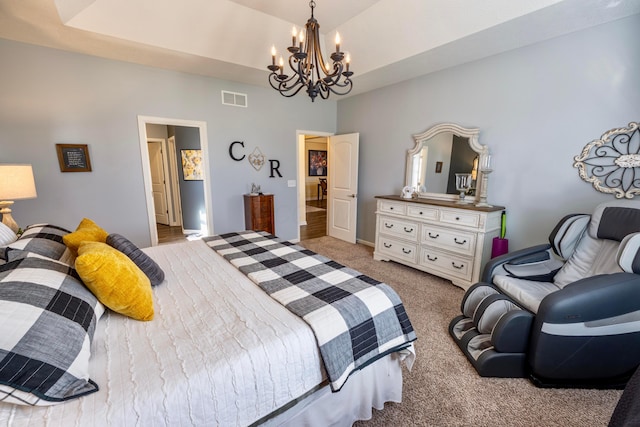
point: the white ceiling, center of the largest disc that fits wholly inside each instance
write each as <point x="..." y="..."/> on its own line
<point x="388" y="40"/>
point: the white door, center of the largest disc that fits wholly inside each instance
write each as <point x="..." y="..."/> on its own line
<point x="158" y="186"/>
<point x="342" y="181"/>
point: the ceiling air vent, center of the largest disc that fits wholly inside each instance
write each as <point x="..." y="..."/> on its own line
<point x="234" y="98"/>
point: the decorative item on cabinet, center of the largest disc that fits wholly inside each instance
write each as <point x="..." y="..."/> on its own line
<point x="500" y="244"/>
<point x="440" y="237"/>
<point x="258" y="212"/>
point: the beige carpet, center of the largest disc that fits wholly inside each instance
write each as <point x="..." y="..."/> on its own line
<point x="443" y="389"/>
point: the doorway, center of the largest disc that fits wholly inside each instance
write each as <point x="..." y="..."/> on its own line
<point x="315" y="167"/>
<point x="188" y="192"/>
<point x="333" y="159"/>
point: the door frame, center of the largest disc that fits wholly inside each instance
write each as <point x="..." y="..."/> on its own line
<point x="146" y="168"/>
<point x="175" y="214"/>
<point x="300" y="155"/>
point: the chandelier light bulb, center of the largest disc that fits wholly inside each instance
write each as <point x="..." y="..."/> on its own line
<point x="337" y="41"/>
<point x="273" y="55"/>
<point x="294" y="33"/>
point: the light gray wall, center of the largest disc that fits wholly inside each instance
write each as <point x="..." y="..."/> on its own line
<point x="50" y="96"/>
<point x="536" y="107"/>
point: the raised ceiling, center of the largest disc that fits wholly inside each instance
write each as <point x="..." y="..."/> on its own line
<point x="389" y="40"/>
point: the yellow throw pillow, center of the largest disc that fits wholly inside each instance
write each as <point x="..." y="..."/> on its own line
<point x="115" y="280"/>
<point x="87" y="231"/>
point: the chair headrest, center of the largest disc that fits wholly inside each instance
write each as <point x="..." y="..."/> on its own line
<point x="567" y="233"/>
<point x="628" y="256"/>
<point x="615" y="220"/>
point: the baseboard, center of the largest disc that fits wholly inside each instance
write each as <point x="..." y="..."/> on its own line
<point x="302" y="223"/>
<point x="366" y="243"/>
<point x="186" y="232"/>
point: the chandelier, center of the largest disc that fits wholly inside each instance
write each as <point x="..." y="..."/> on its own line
<point x="310" y="71"/>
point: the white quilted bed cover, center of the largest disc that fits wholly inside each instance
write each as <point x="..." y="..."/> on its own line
<point x="217" y="353"/>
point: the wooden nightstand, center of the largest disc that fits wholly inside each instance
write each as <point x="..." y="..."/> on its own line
<point x="258" y="212"/>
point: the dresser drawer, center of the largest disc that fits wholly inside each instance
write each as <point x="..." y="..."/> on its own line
<point x="467" y="219"/>
<point x="449" y="238"/>
<point x="392" y="207"/>
<point x="424" y="212"/>
<point x="398" y="227"/>
<point x="406" y="251"/>
<point x="450" y="265"/>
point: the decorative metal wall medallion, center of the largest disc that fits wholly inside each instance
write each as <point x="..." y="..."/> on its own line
<point x="256" y="158"/>
<point x="612" y="163"/>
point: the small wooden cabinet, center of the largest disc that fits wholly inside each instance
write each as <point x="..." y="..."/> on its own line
<point x="258" y="212"/>
<point x="440" y="237"/>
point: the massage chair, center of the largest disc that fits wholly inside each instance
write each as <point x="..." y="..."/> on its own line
<point x="564" y="314"/>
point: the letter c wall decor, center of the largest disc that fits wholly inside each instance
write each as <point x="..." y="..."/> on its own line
<point x="237" y="159"/>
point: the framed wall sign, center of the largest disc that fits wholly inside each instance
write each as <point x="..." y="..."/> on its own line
<point x="73" y="157"/>
<point x="317" y="163"/>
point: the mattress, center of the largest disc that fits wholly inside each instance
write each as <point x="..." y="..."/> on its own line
<point x="219" y="352"/>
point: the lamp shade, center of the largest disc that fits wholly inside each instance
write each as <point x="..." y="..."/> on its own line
<point x="16" y="182"/>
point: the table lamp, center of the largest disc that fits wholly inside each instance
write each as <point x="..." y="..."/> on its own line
<point x="16" y="182"/>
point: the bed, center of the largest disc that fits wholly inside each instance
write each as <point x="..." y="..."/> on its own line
<point x="220" y="351"/>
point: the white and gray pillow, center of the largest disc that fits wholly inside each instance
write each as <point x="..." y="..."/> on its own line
<point x="45" y="240"/>
<point x="46" y="327"/>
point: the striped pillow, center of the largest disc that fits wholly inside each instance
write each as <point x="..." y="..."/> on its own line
<point x="6" y="235"/>
<point x="139" y="258"/>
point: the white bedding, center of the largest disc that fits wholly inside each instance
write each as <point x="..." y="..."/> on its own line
<point x="219" y="352"/>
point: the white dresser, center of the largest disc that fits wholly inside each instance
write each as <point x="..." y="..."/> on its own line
<point x="437" y="236"/>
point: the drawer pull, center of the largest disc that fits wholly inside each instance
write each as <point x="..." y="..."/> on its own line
<point x="433" y="236"/>
<point x="432" y="259"/>
<point x="457" y="218"/>
<point x="390" y="208"/>
<point x="387" y="245"/>
<point x="409" y="230"/>
<point x="459" y="267"/>
<point x="406" y="251"/>
<point x="421" y="213"/>
<point x="455" y="239"/>
<point x="388" y="226"/>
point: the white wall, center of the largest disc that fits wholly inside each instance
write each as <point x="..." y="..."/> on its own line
<point x="50" y="96"/>
<point x="536" y="108"/>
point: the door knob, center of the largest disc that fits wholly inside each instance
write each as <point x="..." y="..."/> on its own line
<point x="353" y="196"/>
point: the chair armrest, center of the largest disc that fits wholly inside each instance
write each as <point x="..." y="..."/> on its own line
<point x="588" y="331"/>
<point x="531" y="254"/>
<point x="593" y="299"/>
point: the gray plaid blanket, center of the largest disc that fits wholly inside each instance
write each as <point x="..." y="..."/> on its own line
<point x="356" y="319"/>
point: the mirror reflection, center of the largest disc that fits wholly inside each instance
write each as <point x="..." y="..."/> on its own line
<point x="438" y="159"/>
<point x="441" y="152"/>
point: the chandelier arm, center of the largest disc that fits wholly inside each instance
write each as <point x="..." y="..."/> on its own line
<point x="285" y="91"/>
<point x="299" y="68"/>
<point x="282" y="85"/>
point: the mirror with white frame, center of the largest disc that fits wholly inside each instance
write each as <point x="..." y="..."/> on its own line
<point x="439" y="154"/>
